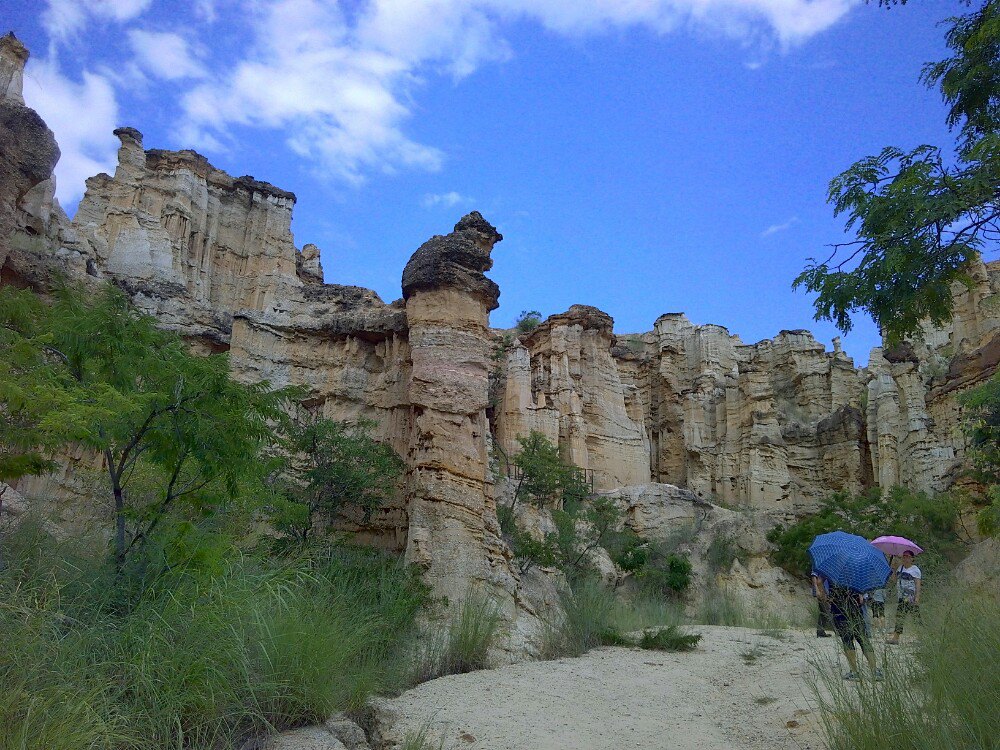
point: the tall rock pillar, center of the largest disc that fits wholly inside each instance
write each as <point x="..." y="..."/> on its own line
<point x="452" y="532"/>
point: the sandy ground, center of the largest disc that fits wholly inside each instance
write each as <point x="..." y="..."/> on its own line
<point x="740" y="690"/>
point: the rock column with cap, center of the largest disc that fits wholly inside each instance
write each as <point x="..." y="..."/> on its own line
<point x="452" y="532"/>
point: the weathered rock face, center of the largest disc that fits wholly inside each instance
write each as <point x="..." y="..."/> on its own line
<point x="688" y="525"/>
<point x="562" y="381"/>
<point x="453" y="532"/>
<point x="191" y="244"/>
<point x="30" y="154"/>
<point x="914" y="419"/>
<point x="776" y="424"/>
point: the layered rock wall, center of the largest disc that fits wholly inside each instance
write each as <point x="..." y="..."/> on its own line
<point x="562" y="381"/>
<point x="776" y="423"/>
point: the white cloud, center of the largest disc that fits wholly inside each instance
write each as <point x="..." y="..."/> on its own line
<point x="448" y="200"/>
<point x="165" y="55"/>
<point x="336" y="101"/>
<point x="82" y="115"/>
<point x="775" y="228"/>
<point x="338" y="84"/>
<point x="64" y="18"/>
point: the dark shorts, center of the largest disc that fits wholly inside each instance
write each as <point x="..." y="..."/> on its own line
<point x="878" y="608"/>
<point x="849" y="624"/>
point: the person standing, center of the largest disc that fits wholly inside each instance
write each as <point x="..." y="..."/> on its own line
<point x="878" y="607"/>
<point x="908" y="581"/>
<point x="847" y="610"/>
<point x="821" y="590"/>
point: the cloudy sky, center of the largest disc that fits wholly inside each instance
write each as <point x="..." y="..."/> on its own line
<point x="642" y="156"/>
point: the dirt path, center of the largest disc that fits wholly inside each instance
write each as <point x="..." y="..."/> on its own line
<point x="740" y="690"/>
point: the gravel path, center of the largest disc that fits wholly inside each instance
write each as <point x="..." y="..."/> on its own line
<point x="740" y="690"/>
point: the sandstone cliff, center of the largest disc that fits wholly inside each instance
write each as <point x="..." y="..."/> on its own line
<point x="776" y="425"/>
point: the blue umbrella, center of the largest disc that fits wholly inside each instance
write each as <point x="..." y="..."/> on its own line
<point x="849" y="560"/>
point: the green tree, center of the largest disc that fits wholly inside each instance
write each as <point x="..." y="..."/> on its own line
<point x="545" y="479"/>
<point x="528" y="320"/>
<point x="981" y="417"/>
<point x="132" y="392"/>
<point x="921" y="216"/>
<point x="29" y="383"/>
<point x="334" y="466"/>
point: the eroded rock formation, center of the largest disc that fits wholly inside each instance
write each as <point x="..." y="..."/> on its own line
<point x="777" y="424"/>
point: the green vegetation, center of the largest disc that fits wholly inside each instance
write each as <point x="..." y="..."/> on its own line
<point x="981" y="418"/>
<point x="670" y="638"/>
<point x="420" y="739"/>
<point x="595" y="616"/>
<point x="922" y="215"/>
<point x="945" y="696"/>
<point x="544" y="478"/>
<point x="931" y="521"/>
<point x="115" y="383"/>
<point x="195" y="660"/>
<point x="463" y="645"/>
<point x="528" y="321"/>
<point x="337" y="466"/>
<point x="197" y="630"/>
<point x="581" y="526"/>
<point x="722" y="552"/>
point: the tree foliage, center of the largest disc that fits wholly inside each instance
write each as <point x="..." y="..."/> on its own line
<point x="930" y="521"/>
<point x="117" y="384"/>
<point x="333" y="466"/>
<point x="527" y="321"/>
<point x="981" y="417"/>
<point x="545" y="479"/>
<point x="921" y="216"/>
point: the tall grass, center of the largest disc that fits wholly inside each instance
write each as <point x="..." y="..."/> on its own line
<point x="587" y="622"/>
<point x="464" y="645"/>
<point x="720" y="606"/>
<point x="944" y="694"/>
<point x="593" y="615"/>
<point x="194" y="661"/>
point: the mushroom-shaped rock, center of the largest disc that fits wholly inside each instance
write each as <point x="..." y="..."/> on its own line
<point x="456" y="260"/>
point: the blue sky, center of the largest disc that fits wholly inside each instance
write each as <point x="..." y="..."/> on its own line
<point x="642" y="156"/>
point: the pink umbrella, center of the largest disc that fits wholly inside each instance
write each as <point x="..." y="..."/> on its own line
<point x="896" y="545"/>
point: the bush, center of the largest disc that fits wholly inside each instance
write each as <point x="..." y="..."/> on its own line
<point x="944" y="697"/>
<point x="929" y="520"/>
<point x="528" y="321"/>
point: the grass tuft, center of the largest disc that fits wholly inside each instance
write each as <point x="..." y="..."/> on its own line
<point x="670" y="638"/>
<point x="464" y="645"/>
<point x="191" y="660"/>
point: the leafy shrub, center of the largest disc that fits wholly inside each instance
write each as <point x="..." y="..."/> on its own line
<point x="930" y="521"/>
<point x="334" y="465"/>
<point x="667" y="575"/>
<point x="545" y="479"/>
<point x="528" y="321"/>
